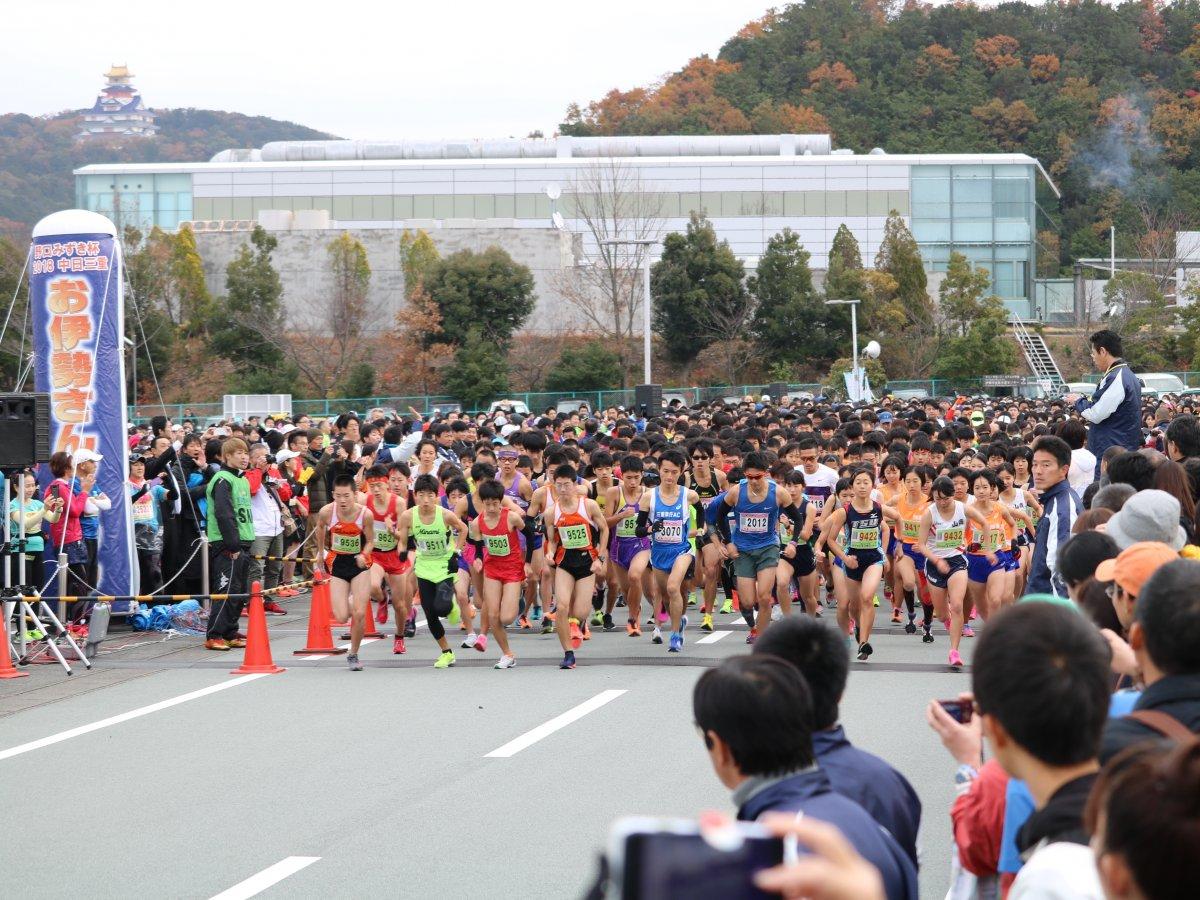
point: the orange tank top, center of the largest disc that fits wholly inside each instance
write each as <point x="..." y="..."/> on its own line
<point x="346" y="538"/>
<point x="995" y="520"/>
<point x="910" y="517"/>
<point x="573" y="530"/>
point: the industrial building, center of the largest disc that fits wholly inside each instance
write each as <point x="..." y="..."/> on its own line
<point x="526" y="195"/>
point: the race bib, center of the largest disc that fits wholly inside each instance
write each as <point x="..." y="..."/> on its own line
<point x="995" y="540"/>
<point x="385" y="540"/>
<point x="627" y="528"/>
<point x="434" y="545"/>
<point x="574" y="537"/>
<point x="950" y="538"/>
<point x="497" y="545"/>
<point x="350" y="544"/>
<point x="864" y="538"/>
<point x="910" y="529"/>
<point x="753" y="523"/>
<point x="143" y="512"/>
<point x="669" y="532"/>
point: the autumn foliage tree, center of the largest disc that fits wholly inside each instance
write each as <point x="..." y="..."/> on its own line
<point x="998" y="52"/>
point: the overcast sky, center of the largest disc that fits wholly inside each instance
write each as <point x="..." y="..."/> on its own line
<point x="361" y="69"/>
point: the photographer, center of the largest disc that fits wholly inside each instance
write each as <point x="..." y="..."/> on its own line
<point x="267" y="509"/>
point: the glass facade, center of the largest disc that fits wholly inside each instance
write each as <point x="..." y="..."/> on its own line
<point x="140" y="199"/>
<point x="985" y="212"/>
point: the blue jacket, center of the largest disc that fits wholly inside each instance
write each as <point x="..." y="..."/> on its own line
<point x="810" y="792"/>
<point x="872" y="784"/>
<point x="1114" y="411"/>
<point x="1060" y="506"/>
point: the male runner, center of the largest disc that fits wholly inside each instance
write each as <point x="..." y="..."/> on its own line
<point x="496" y="534"/>
<point x="348" y="530"/>
<point x="385" y="508"/>
<point x="630" y="554"/>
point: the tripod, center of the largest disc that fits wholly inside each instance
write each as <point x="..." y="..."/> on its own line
<point x="15" y="595"/>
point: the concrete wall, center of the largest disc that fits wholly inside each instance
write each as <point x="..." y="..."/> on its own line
<point x="303" y="263"/>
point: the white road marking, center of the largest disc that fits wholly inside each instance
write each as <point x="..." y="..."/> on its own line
<point x="318" y="656"/>
<point x="546" y="729"/>
<point x="346" y="646"/>
<point x="714" y="637"/>
<point x="124" y="717"/>
<point x="256" y="884"/>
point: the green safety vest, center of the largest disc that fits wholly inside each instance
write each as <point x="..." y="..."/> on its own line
<point x="241" y="507"/>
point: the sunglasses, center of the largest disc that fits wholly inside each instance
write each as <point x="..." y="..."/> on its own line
<point x="699" y="457"/>
<point x="1114" y="590"/>
<point x="755" y="477"/>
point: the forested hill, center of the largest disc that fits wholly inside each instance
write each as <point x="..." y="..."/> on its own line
<point x="37" y="154"/>
<point x="1106" y="96"/>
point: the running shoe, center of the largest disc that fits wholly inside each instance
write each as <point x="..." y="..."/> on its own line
<point x="926" y="636"/>
<point x="662" y="616"/>
<point x="875" y="601"/>
<point x="212" y="644"/>
<point x="506" y="662"/>
<point x="631" y="627"/>
<point x="398" y="645"/>
<point x="568" y="660"/>
<point x="480" y="643"/>
<point x="776" y="613"/>
<point x="469" y="640"/>
<point x="576" y="634"/>
<point x="381" y="616"/>
<point x="410" y="626"/>
<point x="864" y="651"/>
<point x="706" y="623"/>
<point x="523" y="623"/>
<point x="445" y="661"/>
<point x="896" y="617"/>
<point x="597" y="617"/>
<point x="676" y="643"/>
<point x="620" y="600"/>
<point x="691" y="600"/>
<point x="727" y="607"/>
<point x="683" y="624"/>
<point x="650" y="620"/>
<point x="955" y="661"/>
<point x="607" y="623"/>
<point x="537" y="612"/>
<point x="547" y="625"/>
<point x="35" y="634"/>
<point x="656" y="638"/>
<point x="968" y="631"/>
<point x="237" y="643"/>
<point x="455" y="615"/>
<point x="274" y="608"/>
<point x="910" y="628"/>
<point x="752" y="636"/>
<point x="353" y="663"/>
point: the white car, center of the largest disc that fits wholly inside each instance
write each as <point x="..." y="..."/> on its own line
<point x="508" y="406"/>
<point x="1159" y="383"/>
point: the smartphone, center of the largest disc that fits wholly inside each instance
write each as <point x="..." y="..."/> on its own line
<point x="960" y="710"/>
<point x="665" y="859"/>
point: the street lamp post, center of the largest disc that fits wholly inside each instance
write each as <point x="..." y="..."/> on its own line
<point x="855" y="372"/>
<point x="646" y="244"/>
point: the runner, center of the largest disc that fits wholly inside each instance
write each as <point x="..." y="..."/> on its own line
<point x="499" y="559"/>
<point x="910" y="563"/>
<point x="629" y="553"/>
<point x="436" y="558"/>
<point x="861" y="551"/>
<point x="347" y="529"/>
<point x="603" y="601"/>
<point x="987" y="582"/>
<point x="753" y="542"/>
<point x="385" y="508"/>
<point x="574" y="530"/>
<point x="943" y="540"/>
<point x="708" y="483"/>
<point x="665" y="515"/>
<point x="796" y="560"/>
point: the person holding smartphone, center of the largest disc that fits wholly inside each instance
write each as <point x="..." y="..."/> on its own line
<point x="66" y="535"/>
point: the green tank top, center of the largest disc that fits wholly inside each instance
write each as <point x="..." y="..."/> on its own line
<point x="241" y="507"/>
<point x="433" y="547"/>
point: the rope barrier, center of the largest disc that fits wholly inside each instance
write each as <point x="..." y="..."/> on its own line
<point x="144" y="598"/>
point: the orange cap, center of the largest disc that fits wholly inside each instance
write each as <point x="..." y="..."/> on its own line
<point x="1135" y="564"/>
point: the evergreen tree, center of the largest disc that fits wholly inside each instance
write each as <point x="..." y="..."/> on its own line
<point x="974" y="325"/>
<point x="479" y="371"/>
<point x="698" y="292"/>
<point x="591" y="367"/>
<point x="252" y="304"/>
<point x="489" y="289"/>
<point x="790" y="319"/>
<point x="187" y="274"/>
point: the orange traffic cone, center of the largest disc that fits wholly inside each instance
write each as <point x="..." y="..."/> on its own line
<point x="6" y="667"/>
<point x="257" y="660"/>
<point x="320" y="636"/>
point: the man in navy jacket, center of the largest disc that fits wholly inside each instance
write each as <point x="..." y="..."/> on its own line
<point x="820" y="655"/>
<point x="1060" y="506"/>
<point x="755" y="714"/>
<point x="1115" y="408"/>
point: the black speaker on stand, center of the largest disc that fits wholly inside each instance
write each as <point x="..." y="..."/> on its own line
<point x="777" y="390"/>
<point x="24" y="430"/>
<point x="648" y="397"/>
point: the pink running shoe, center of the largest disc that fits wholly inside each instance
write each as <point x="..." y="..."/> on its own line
<point x="956" y="661"/>
<point x="968" y="631"/>
<point x="481" y="643"/>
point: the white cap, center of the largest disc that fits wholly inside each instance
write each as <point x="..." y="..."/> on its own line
<point x="284" y="455"/>
<point x="509" y="430"/>
<point x="500" y="420"/>
<point x="83" y="454"/>
<point x="766" y="398"/>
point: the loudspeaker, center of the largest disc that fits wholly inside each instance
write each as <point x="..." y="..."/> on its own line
<point x="777" y="390"/>
<point x="649" y="396"/>
<point x="24" y="430"/>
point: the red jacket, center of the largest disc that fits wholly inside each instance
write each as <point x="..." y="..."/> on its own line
<point x="977" y="818"/>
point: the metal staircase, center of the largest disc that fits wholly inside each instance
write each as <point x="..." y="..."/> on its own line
<point x="1037" y="354"/>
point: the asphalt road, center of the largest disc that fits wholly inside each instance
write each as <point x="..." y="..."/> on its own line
<point x="384" y="776"/>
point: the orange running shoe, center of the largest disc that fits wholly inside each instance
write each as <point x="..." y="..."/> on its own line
<point x="576" y="634"/>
